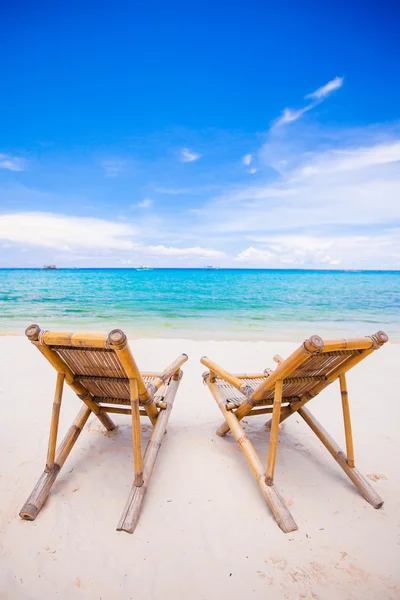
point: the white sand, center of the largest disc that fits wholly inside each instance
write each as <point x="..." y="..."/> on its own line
<point x="205" y="531"/>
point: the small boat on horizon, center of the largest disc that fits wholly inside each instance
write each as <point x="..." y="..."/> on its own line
<point x="211" y="267"/>
<point x="49" y="268"/>
<point x="144" y="269"/>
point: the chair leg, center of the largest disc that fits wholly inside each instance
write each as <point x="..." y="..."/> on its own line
<point x="354" y="475"/>
<point x="273" y="440"/>
<point x="32" y="506"/>
<point x="347" y="421"/>
<point x="55" y="417"/>
<point x="136" y="433"/>
<point x="274" y="500"/>
<point x="131" y="513"/>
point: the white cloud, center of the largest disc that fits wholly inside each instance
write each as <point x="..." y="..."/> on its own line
<point x="189" y="156"/>
<point x="172" y="251"/>
<point x="70" y="236"/>
<point x="337" y="161"/>
<point x="65" y="233"/>
<point x="252" y="171"/>
<point x="354" y="251"/>
<point x="145" y="203"/>
<point x="298" y="251"/>
<point x="252" y="255"/>
<point x="326" y="89"/>
<point x="349" y="192"/>
<point x="290" y="114"/>
<point x="113" y="168"/>
<point x="11" y="163"/>
<point x="246" y="160"/>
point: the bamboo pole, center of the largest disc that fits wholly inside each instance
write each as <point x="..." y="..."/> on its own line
<point x="271" y="495"/>
<point x="118" y="342"/>
<point x="273" y="440"/>
<point x="364" y="343"/>
<point x="285" y="413"/>
<point x="131" y="513"/>
<point x="256" y="411"/>
<point x="312" y="345"/>
<point x="234" y="380"/>
<point x="261" y="411"/>
<point x="168" y="372"/>
<point x="347" y="420"/>
<point x="249" y="375"/>
<point x="136" y="433"/>
<point x="32" y="506"/>
<point x="55" y="417"/>
<point x="354" y="475"/>
<point x="74" y="340"/>
<point x="35" y="335"/>
<point x="121" y="410"/>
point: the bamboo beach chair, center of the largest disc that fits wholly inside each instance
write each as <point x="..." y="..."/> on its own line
<point x="284" y="392"/>
<point x="103" y="373"/>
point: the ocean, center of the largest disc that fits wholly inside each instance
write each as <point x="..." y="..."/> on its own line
<point x="242" y="304"/>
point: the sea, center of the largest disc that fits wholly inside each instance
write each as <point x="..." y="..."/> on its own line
<point x="223" y="304"/>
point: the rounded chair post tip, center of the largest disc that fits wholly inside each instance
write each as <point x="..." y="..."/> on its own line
<point x="117" y="338"/>
<point x="314" y="344"/>
<point x="380" y="338"/>
<point x="29" y="512"/>
<point x="32" y="332"/>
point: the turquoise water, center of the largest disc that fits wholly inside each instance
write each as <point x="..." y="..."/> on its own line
<point x="203" y="304"/>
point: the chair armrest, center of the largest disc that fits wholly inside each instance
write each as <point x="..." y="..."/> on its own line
<point x="246" y="390"/>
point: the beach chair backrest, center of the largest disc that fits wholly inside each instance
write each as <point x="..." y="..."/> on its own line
<point x="314" y="365"/>
<point x="99" y="364"/>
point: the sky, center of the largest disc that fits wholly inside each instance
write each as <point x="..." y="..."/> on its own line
<point x="176" y="134"/>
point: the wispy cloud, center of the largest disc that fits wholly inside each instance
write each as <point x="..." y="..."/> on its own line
<point x="337" y="161"/>
<point x="11" y="163"/>
<point x="290" y="114"/>
<point x="173" y="251"/>
<point x="247" y="158"/>
<point x="113" y="168"/>
<point x="174" y="191"/>
<point x="188" y="156"/>
<point x="326" y="89"/>
<point x="145" y="203"/>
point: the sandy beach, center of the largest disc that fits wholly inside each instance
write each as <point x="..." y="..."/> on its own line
<point x="205" y="531"/>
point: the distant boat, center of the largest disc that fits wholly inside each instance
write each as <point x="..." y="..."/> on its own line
<point x="211" y="267"/>
<point x="144" y="269"/>
<point x="49" y="268"/>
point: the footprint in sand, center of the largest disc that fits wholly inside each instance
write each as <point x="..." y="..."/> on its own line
<point x="376" y="477"/>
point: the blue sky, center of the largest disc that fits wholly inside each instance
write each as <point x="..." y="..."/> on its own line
<point x="253" y="135"/>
